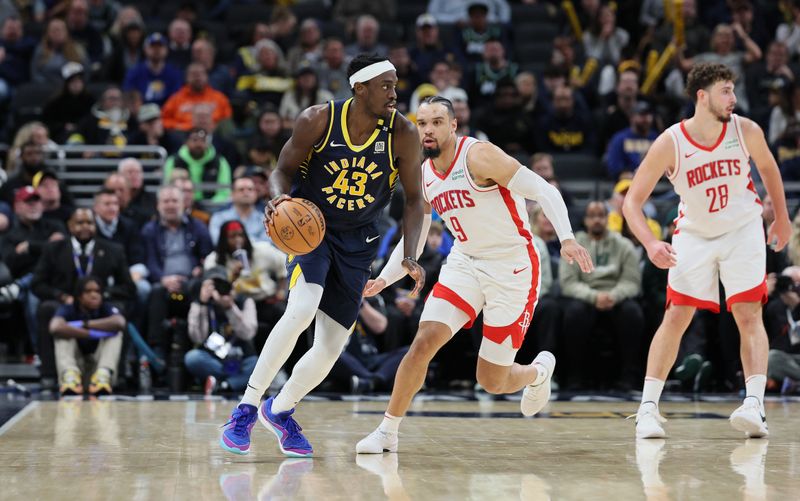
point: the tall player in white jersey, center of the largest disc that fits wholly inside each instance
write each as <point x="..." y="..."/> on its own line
<point x="719" y="236"/>
<point x="480" y="193"/>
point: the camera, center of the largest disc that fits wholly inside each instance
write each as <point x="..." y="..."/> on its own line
<point x="786" y="284"/>
<point x="222" y="286"/>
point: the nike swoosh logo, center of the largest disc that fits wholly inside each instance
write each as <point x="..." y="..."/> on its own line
<point x="335" y="145"/>
<point x="687" y="155"/>
<point x="520" y="270"/>
<point x="372" y="239"/>
<point x="428" y="184"/>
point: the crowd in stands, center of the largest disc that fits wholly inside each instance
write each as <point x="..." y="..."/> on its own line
<point x="180" y="287"/>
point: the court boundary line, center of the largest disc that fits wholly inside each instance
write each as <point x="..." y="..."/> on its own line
<point x="18" y="416"/>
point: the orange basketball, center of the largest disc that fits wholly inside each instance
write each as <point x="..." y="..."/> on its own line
<point x="297" y="227"/>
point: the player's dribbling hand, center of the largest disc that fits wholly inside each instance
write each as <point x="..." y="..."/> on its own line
<point x="416" y="272"/>
<point x="662" y="255"/>
<point x="573" y="252"/>
<point x="269" y="210"/>
<point x="780" y="231"/>
<point x="374" y="287"/>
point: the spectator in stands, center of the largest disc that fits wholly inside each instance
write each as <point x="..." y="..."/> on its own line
<point x="83" y="33"/>
<point x="308" y="49"/>
<point x="260" y="177"/>
<point x="429" y="48"/>
<point x="154" y="78"/>
<point x="305" y="92"/>
<point x="617" y="115"/>
<point x="542" y="164"/>
<point x="785" y="100"/>
<point x="789" y="33"/>
<point x="243" y="209"/>
<point x="529" y="97"/>
<point x="765" y="76"/>
<point x="175" y="246"/>
<point x="114" y="227"/>
<point x="789" y="153"/>
<point x="504" y="121"/>
<point x="179" y="34"/>
<point x="125" y="16"/>
<point x="102" y="14"/>
<point x="604" y="40"/>
<point x="31" y="161"/>
<point x="781" y="320"/>
<point x="54" y="51"/>
<point x="442" y="78"/>
<point x="269" y="80"/>
<point x="755" y="27"/>
<point x="348" y="11"/>
<point x="477" y="32"/>
<point x="34" y="131"/>
<point x="367" y="31"/>
<point x="109" y="122"/>
<point x="256" y="269"/>
<point x="57" y="202"/>
<point x="87" y="332"/>
<point x="628" y="146"/>
<point x="455" y="11"/>
<point x="222" y="324"/>
<point x="202" y="118"/>
<point x="205" y="166"/>
<point x="178" y="110"/>
<point x="63" y="113"/>
<point x="65" y="261"/>
<point x="333" y="69"/>
<point x="407" y="76"/>
<point x="266" y="144"/>
<point x="696" y="34"/>
<point x="494" y="67"/>
<point x="140" y="200"/>
<point x="151" y="130"/>
<point x="180" y="180"/>
<point x="220" y="76"/>
<point x="543" y="228"/>
<point x="22" y="247"/>
<point x="16" y="51"/>
<point x="565" y="128"/>
<point x="247" y="56"/>
<point x="126" y="50"/>
<point x="607" y="295"/>
<point x="723" y="50"/>
<point x="616" y="221"/>
<point x="119" y="185"/>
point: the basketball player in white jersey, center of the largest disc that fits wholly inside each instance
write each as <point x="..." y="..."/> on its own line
<point x="480" y="193"/>
<point x="719" y="236"/>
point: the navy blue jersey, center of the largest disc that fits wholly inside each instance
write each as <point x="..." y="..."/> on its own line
<point x="350" y="184"/>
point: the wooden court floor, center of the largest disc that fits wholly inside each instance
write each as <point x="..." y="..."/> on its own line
<point x="87" y="450"/>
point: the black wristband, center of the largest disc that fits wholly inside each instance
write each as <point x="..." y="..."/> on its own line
<point x="409" y="258"/>
<point x="86" y="324"/>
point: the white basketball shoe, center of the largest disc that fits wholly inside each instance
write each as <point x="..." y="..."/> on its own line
<point x="750" y="418"/>
<point x="534" y="398"/>
<point x="377" y="442"/>
<point x="648" y="421"/>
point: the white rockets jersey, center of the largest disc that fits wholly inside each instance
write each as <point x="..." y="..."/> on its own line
<point x="486" y="222"/>
<point x="714" y="183"/>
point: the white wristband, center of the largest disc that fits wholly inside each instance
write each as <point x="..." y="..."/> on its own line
<point x="394" y="271"/>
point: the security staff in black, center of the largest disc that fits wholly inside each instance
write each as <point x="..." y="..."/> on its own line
<point x="346" y="157"/>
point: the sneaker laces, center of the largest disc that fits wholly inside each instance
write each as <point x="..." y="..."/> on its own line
<point x="653" y="412"/>
<point x="292" y="426"/>
<point x="239" y="419"/>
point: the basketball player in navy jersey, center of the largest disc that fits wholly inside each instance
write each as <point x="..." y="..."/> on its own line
<point x="345" y="156"/>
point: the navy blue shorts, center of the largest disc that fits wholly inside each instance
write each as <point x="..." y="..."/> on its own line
<point x="341" y="265"/>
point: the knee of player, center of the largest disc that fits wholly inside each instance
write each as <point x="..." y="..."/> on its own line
<point x="749" y="321"/>
<point x="490" y="384"/>
<point x="425" y="345"/>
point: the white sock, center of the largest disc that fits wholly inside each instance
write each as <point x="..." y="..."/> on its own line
<point x="390" y="424"/>
<point x="755" y="385"/>
<point x="652" y="390"/>
<point x="300" y="310"/>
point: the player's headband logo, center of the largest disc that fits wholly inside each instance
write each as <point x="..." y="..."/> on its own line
<point x="369" y="72"/>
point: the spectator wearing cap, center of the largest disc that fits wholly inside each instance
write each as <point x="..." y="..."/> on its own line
<point x="151" y="130"/>
<point x="477" y="32"/>
<point x="54" y="51"/>
<point x="429" y="48"/>
<point x="154" y="78"/>
<point x="308" y="49"/>
<point x="220" y="76"/>
<point x="333" y="69"/>
<point x="628" y="146"/>
<point x="765" y="76"/>
<point x="205" y="166"/>
<point x="270" y="136"/>
<point x="140" y="201"/>
<point x="455" y="11"/>
<point x="56" y="201"/>
<point x="243" y="209"/>
<point x="127" y="50"/>
<point x="271" y="79"/>
<point x="70" y="106"/>
<point x="305" y="92"/>
<point x="83" y="32"/>
<point x="15" y="66"/>
<point x="109" y="122"/>
<point x="366" y="38"/>
<point x="179" y="108"/>
<point x="179" y="34"/>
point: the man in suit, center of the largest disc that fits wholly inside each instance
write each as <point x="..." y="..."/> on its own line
<point x="62" y="264"/>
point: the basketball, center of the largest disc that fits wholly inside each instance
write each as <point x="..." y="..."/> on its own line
<point x="297" y="226"/>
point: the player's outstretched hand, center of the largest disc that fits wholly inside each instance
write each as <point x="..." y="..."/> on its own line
<point x="662" y="255"/>
<point x="573" y="252"/>
<point x="374" y="287"/>
<point x="416" y="272"/>
<point x="780" y="231"/>
<point x="269" y="210"/>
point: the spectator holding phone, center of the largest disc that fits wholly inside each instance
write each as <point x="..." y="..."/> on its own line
<point x="87" y="331"/>
<point x="222" y="324"/>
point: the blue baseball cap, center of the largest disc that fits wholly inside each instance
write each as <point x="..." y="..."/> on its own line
<point x="155" y="38"/>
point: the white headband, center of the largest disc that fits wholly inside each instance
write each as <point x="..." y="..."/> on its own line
<point x="369" y="72"/>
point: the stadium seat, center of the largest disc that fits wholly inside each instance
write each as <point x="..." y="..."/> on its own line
<point x="29" y="100"/>
<point x="577" y="166"/>
<point x="522" y="13"/>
